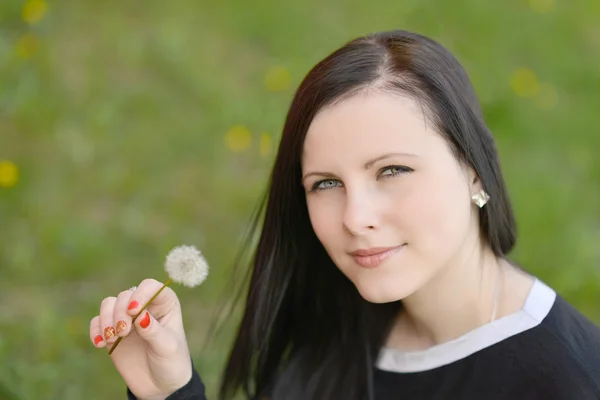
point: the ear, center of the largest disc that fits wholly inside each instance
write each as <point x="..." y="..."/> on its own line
<point x="474" y="181"/>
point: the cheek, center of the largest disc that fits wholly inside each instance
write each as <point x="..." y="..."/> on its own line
<point x="325" y="219"/>
<point x="438" y="215"/>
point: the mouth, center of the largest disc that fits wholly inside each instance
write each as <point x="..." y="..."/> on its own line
<point x="373" y="257"/>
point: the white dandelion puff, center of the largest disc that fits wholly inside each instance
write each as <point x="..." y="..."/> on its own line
<point x="187" y="266"/>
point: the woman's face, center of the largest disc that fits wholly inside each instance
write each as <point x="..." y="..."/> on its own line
<point x="386" y="197"/>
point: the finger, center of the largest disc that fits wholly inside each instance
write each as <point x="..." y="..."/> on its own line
<point x="107" y="308"/>
<point x="161" y="341"/>
<point x="96" y="332"/>
<point x="122" y="320"/>
<point x="162" y="304"/>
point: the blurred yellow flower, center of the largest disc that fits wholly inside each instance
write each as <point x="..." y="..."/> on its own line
<point x="238" y="138"/>
<point x="547" y="97"/>
<point x="265" y="144"/>
<point x="26" y="46"/>
<point x="278" y="78"/>
<point x="34" y="11"/>
<point x="541" y="6"/>
<point x="9" y="174"/>
<point x="525" y="83"/>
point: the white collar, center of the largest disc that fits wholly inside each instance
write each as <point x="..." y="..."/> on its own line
<point x="537" y="306"/>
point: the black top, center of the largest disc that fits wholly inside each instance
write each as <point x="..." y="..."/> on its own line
<point x="547" y="351"/>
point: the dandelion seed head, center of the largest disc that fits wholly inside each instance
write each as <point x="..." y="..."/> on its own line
<point x="187" y="266"/>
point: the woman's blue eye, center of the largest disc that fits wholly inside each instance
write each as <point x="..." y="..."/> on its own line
<point x="385" y="172"/>
<point x="325" y="184"/>
<point x="393" y="170"/>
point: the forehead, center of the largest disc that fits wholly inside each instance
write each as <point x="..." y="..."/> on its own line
<point x="368" y="125"/>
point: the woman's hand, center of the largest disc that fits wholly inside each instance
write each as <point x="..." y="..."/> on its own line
<point x="153" y="357"/>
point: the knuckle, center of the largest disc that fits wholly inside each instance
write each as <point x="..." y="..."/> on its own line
<point x="108" y="301"/>
<point x="149" y="282"/>
<point x="124" y="293"/>
<point x="172" y="295"/>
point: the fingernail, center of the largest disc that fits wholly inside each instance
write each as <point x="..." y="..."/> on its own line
<point x="121" y="326"/>
<point x="133" y="305"/>
<point x="109" y="332"/>
<point x="145" y="321"/>
<point x="98" y="339"/>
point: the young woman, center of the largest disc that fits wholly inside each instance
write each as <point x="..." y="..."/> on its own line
<point x="381" y="271"/>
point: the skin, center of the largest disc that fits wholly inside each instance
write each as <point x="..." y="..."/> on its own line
<point x="444" y="273"/>
<point x="154" y="359"/>
<point x="377" y="174"/>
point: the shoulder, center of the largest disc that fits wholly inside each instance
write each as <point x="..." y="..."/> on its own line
<point x="564" y="350"/>
<point x="573" y="335"/>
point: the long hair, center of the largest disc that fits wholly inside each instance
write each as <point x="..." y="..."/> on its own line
<point x="306" y="333"/>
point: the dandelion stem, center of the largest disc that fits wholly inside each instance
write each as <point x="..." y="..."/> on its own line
<point x="167" y="283"/>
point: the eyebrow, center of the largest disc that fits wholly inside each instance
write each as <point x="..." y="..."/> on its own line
<point x="367" y="165"/>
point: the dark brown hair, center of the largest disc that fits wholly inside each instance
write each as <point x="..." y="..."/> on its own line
<point x="306" y="333"/>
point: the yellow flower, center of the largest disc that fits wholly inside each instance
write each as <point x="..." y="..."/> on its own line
<point x="34" y="11"/>
<point x="238" y="138"/>
<point x="278" y="78"/>
<point x="525" y="83"/>
<point x="541" y="6"/>
<point x="265" y="144"/>
<point x="9" y="174"/>
<point x="26" y="46"/>
<point x="547" y="97"/>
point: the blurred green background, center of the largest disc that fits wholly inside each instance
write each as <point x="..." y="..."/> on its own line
<point x="130" y="127"/>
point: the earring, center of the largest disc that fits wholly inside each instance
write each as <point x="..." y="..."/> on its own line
<point x="480" y="198"/>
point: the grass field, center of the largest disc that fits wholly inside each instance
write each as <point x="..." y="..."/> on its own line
<point x="129" y="127"/>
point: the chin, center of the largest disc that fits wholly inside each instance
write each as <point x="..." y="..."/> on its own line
<point x="380" y="294"/>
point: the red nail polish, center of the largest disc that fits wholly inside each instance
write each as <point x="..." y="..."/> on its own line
<point x="133" y="305"/>
<point x="98" y="339"/>
<point x="145" y="321"/>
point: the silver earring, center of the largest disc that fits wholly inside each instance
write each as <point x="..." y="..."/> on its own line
<point x="480" y="198"/>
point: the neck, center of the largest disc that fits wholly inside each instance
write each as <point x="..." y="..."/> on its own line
<point x="461" y="297"/>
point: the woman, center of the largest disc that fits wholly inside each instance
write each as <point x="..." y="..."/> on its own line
<point x="381" y="270"/>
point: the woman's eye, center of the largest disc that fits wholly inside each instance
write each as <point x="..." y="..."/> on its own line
<point x="385" y="172"/>
<point x="393" y="170"/>
<point x="325" y="184"/>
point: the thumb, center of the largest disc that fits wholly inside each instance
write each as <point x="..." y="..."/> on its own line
<point x="162" y="342"/>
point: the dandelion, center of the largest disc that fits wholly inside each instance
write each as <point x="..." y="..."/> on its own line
<point x="525" y="82"/>
<point x="9" y="174"/>
<point x="34" y="11"/>
<point x="265" y="144"/>
<point x="238" y="138"/>
<point x="185" y="265"/>
<point x="278" y="78"/>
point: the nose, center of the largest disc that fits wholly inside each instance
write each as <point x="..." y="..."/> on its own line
<point x="360" y="215"/>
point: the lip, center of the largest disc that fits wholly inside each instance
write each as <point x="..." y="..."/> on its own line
<point x="375" y="256"/>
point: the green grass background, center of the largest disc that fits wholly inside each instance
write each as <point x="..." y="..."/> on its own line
<point x="116" y="115"/>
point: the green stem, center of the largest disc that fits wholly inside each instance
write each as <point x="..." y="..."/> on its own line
<point x="167" y="283"/>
